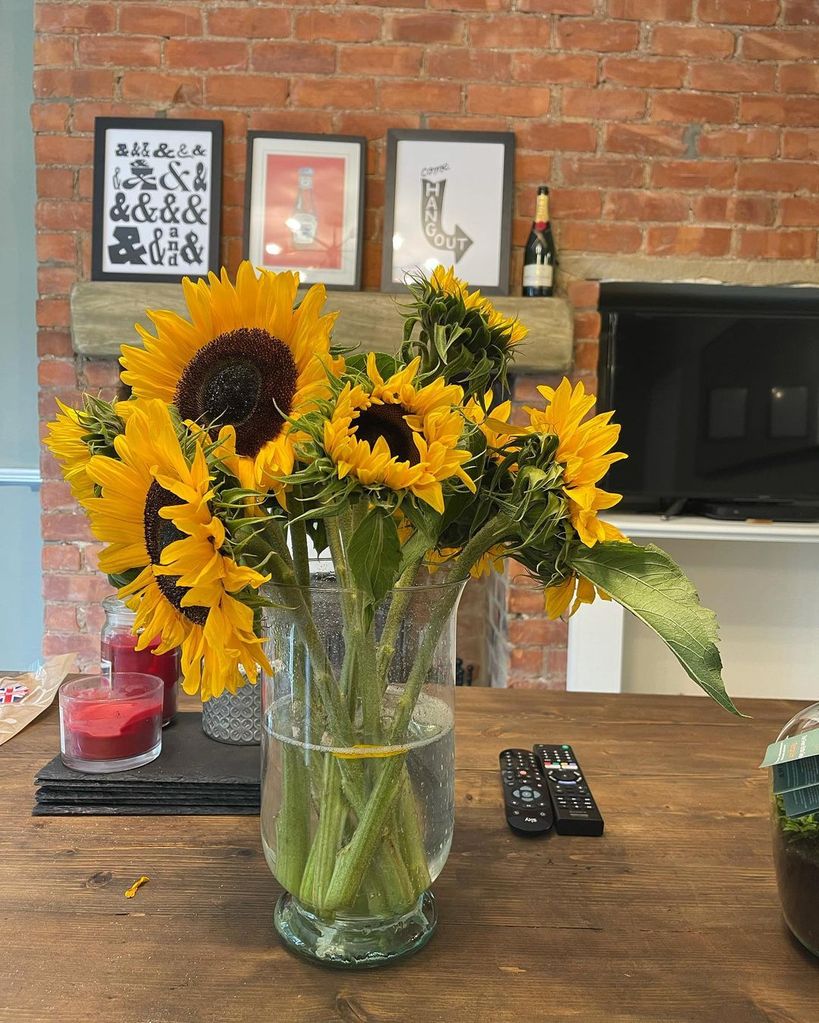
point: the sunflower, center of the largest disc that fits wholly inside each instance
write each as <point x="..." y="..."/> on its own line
<point x="66" y="442"/>
<point x="392" y="433"/>
<point x="445" y="282"/>
<point x="246" y="359"/>
<point x="584" y="451"/>
<point x="491" y="420"/>
<point x="572" y="588"/>
<point x="154" y="514"/>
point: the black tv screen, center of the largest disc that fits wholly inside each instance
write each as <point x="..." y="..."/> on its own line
<point x="717" y="393"/>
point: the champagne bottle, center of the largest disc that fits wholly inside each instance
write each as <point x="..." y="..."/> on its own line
<point x="540" y="256"/>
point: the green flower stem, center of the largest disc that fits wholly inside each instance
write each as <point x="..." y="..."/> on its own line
<point x="292" y="825"/>
<point x="402" y="595"/>
<point x="332" y="819"/>
<point x="410" y="836"/>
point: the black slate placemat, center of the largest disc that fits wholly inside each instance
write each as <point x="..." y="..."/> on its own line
<point x="148" y="810"/>
<point x="192" y="775"/>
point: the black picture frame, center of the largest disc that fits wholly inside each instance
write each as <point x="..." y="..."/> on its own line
<point x="101" y="260"/>
<point x="501" y="220"/>
<point x="301" y="146"/>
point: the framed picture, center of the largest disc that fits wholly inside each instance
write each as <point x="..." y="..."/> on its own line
<point x="157" y="198"/>
<point x="304" y="205"/>
<point x="449" y="201"/>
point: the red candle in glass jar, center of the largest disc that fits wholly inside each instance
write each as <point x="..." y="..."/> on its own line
<point x="118" y="653"/>
<point x="111" y="723"/>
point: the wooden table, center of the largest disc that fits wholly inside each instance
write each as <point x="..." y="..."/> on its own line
<point x="671" y="917"/>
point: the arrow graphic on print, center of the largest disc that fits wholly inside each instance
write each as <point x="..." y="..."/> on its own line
<point x="432" y="204"/>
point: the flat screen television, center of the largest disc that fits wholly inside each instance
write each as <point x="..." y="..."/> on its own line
<point x="717" y="392"/>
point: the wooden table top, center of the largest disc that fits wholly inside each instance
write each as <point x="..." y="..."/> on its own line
<point x="671" y="917"/>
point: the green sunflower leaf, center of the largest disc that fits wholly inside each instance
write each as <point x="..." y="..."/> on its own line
<point x="649" y="584"/>
<point x="374" y="552"/>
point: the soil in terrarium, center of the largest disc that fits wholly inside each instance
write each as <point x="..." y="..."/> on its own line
<point x="796" y="855"/>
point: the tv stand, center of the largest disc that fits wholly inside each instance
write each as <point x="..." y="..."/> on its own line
<point x="756" y="511"/>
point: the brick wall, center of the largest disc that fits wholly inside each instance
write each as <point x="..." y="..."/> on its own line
<point x="665" y="127"/>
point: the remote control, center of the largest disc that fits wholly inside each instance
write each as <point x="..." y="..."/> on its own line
<point x="526" y="803"/>
<point x="575" y="810"/>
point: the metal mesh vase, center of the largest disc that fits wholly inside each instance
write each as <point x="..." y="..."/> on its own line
<point x="234" y="718"/>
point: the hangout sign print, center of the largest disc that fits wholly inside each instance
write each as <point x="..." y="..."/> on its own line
<point x="157" y="196"/>
<point x="448" y="201"/>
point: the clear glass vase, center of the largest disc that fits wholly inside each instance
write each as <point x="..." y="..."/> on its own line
<point x="796" y="852"/>
<point x="358" y="754"/>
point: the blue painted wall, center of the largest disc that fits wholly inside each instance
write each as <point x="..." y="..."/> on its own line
<point x="21" y="610"/>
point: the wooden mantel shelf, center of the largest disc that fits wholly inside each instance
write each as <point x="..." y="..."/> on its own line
<point x="103" y="314"/>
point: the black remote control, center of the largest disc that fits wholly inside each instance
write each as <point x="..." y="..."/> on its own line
<point x="526" y="803"/>
<point x="575" y="810"/>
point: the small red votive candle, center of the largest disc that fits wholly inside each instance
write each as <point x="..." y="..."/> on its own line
<point x="110" y="723"/>
<point x="118" y="654"/>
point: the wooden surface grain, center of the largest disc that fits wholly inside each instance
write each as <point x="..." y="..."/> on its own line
<point x="103" y="314"/>
<point x="671" y="917"/>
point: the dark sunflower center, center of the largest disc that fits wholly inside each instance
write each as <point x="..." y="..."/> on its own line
<point x="245" y="378"/>
<point x="388" y="421"/>
<point x="159" y="533"/>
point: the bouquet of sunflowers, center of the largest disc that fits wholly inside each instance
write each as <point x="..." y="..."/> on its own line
<point x="250" y="446"/>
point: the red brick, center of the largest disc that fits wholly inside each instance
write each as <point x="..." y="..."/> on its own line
<point x="686" y="107"/>
<point x="739" y="142"/>
<point x="524" y="100"/>
<point x="453" y="5"/>
<point x="53" y="50"/>
<point x="651" y="10"/>
<point x="584" y="294"/>
<point x="782" y="44"/>
<point x="463" y="64"/>
<point x="797" y="145"/>
<point x="733" y="209"/>
<point x="733" y="77"/>
<point x="55" y="495"/>
<point x="63" y="557"/>
<point x="586" y="326"/>
<point x="61" y="215"/>
<point x="61" y="618"/>
<point x="99" y="373"/>
<point x="421" y="96"/>
<point x="577" y="236"/>
<point x="54" y="342"/>
<point x="645" y="139"/>
<point x="119" y="51"/>
<point x="162" y="87"/>
<point x="74" y="17"/>
<point x="554" y="68"/>
<point x="61" y="150"/>
<point x="65" y="526"/>
<point x="55" y="280"/>
<point x="317" y="121"/>
<point x="584" y="204"/>
<point x="777" y="176"/>
<point x="739" y="12"/>
<point x="553" y="6"/>
<point x="604" y="104"/>
<point x="526" y="660"/>
<point x="73" y="83"/>
<point x="586" y="351"/>
<point x="642" y="206"/>
<point x="602" y="171"/>
<point x="800" y="12"/>
<point x="561" y="137"/>
<point x="599" y="36"/>
<point x="688" y="41"/>
<point x="799" y="211"/>
<point x="373" y="125"/>
<point x="86" y="647"/>
<point x="207" y="54"/>
<point x="245" y="90"/>
<point x="344" y="93"/>
<point x="251" y="22"/>
<point x="49" y="116"/>
<point x="791" y="111"/>
<point x="532" y="169"/>
<point x="693" y="174"/>
<point x="179" y="20"/>
<point x="425" y="28"/>
<point x="554" y="664"/>
<point x="55" y="183"/>
<point x="538" y="632"/>
<point x="525" y="600"/>
<point x="777" y="244"/>
<point x="52" y="312"/>
<point x="510" y="32"/>
<point x="346" y="26"/>
<point x="799" y="78"/>
<point x="392" y="61"/>
<point x="688" y="240"/>
<point x="660" y="73"/>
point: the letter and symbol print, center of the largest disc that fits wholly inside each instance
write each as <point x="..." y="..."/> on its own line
<point x="457" y="241"/>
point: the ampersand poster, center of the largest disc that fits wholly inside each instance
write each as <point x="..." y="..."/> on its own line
<point x="157" y="198"/>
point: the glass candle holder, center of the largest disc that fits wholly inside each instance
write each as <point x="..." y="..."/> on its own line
<point x="111" y="723"/>
<point x="118" y="654"/>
